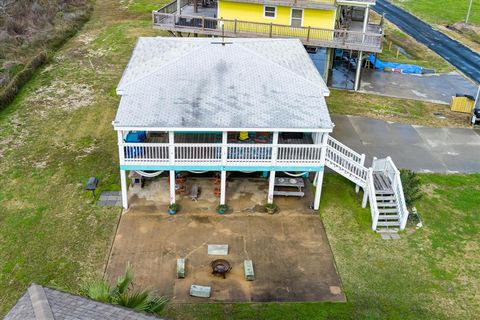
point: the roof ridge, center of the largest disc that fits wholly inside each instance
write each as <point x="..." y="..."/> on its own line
<point x="203" y="44"/>
<point x="41" y="307"/>
<point x="287" y="69"/>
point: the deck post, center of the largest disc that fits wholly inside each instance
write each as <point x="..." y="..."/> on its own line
<point x="362" y="162"/>
<point x="271" y="186"/>
<point x="172" y="186"/>
<point x="365" y="23"/>
<point x="235" y="27"/>
<point x="308" y="34"/>
<point x="123" y="174"/>
<point x="271" y="26"/>
<point x="123" y="184"/>
<point x="179" y="7"/>
<point x="223" y="186"/>
<point x="318" y="190"/>
<point x="358" y="71"/>
<point x="271" y="182"/>
<point x="365" y="191"/>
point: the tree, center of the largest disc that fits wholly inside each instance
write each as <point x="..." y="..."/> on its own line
<point x="123" y="294"/>
<point x="412" y="187"/>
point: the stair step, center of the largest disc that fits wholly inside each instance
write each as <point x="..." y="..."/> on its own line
<point x="389" y="218"/>
<point x="385" y="198"/>
<point x="387" y="204"/>
<point x="383" y="210"/>
<point x="388" y="224"/>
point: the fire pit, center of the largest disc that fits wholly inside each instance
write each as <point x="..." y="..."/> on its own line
<point x="220" y="267"/>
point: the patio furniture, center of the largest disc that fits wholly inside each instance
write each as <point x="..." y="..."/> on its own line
<point x="92" y="185"/>
<point x="136" y="179"/>
<point x="248" y="270"/>
<point x="195" y="192"/>
<point x="200" y="291"/>
<point x="290" y="187"/>
<point x="180" y="268"/>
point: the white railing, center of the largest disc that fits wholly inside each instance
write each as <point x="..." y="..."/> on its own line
<point x="350" y="153"/>
<point x="372" y="198"/>
<point x="394" y="175"/>
<point x="167" y="19"/>
<point x="346" y="162"/>
<point x="211" y="154"/>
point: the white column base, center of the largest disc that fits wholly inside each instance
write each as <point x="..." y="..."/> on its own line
<point x="271" y="185"/>
<point x="123" y="185"/>
<point x="172" y="186"/>
<point x="365" y="198"/>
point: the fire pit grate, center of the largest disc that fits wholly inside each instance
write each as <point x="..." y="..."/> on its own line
<point x="220" y="267"/>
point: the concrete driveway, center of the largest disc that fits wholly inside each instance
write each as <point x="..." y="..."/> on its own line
<point x="436" y="88"/>
<point x="422" y="149"/>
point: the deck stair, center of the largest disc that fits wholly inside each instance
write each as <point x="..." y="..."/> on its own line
<point x="381" y="184"/>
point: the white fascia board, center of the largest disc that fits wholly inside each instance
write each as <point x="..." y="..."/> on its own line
<point x="224" y="129"/>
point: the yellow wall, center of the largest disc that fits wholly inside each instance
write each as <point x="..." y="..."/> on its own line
<point x="254" y="12"/>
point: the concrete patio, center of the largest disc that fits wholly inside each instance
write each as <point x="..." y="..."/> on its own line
<point x="290" y="251"/>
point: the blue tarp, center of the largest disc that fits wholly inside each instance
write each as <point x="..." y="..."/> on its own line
<point x="403" y="68"/>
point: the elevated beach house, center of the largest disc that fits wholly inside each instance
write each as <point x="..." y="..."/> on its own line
<point x="331" y="24"/>
<point x="200" y="104"/>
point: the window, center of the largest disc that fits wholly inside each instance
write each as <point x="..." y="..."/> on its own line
<point x="270" y="12"/>
<point x="297" y="17"/>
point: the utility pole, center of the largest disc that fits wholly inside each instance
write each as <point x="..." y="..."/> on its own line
<point x="468" y="12"/>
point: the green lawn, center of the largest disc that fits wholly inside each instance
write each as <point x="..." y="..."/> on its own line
<point x="442" y="12"/>
<point x="58" y="132"/>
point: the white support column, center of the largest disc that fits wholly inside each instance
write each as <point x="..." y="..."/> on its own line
<point x="223" y="186"/>
<point x="171" y="157"/>
<point x="223" y="173"/>
<point x="365" y="22"/>
<point x="358" y="71"/>
<point x="318" y="190"/>
<point x="172" y="186"/>
<point x="366" y="190"/>
<point x="271" y="183"/>
<point x="123" y="173"/>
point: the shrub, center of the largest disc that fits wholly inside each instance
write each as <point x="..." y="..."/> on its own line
<point x="412" y="187"/>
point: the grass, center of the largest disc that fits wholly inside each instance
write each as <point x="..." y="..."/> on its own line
<point x="58" y="132"/>
<point x="444" y="12"/>
<point x="431" y="273"/>
<point x="393" y="109"/>
<point x="449" y="12"/>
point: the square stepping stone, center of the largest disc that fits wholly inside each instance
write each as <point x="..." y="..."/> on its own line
<point x="218" y="249"/>
<point x="395" y="236"/>
<point x="110" y="199"/>
<point x="385" y="236"/>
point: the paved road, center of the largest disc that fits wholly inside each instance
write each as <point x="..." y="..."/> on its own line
<point x="422" y="149"/>
<point x="457" y="54"/>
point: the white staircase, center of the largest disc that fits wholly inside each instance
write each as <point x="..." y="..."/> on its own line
<point x="381" y="184"/>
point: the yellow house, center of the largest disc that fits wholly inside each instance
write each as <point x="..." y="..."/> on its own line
<point x="315" y="14"/>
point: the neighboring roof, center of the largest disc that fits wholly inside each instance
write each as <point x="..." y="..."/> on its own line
<point x="198" y="83"/>
<point x="45" y="304"/>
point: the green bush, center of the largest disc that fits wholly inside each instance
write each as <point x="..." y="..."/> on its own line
<point x="412" y="187"/>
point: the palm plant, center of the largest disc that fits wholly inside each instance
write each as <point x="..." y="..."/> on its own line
<point x="123" y="294"/>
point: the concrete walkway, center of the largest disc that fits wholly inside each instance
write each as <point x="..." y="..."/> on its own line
<point x="422" y="149"/>
<point x="436" y="88"/>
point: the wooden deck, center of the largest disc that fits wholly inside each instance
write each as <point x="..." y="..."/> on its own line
<point x="382" y="183"/>
<point x="205" y="22"/>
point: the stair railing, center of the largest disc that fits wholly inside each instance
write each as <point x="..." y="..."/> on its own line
<point x="372" y="198"/>
<point x="394" y="174"/>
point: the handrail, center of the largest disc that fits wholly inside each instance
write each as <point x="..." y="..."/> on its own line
<point x="347" y="166"/>
<point x="398" y="191"/>
<point x="344" y="149"/>
<point x="372" y="198"/>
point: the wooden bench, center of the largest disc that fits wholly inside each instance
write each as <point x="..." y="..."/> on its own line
<point x="248" y="269"/>
<point x="180" y="268"/>
<point x="200" y="291"/>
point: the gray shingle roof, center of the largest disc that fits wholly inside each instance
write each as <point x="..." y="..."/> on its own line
<point x="65" y="306"/>
<point x="197" y="83"/>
